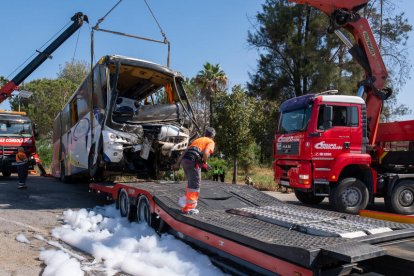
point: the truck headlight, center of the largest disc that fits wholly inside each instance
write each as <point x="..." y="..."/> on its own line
<point x="304" y="176"/>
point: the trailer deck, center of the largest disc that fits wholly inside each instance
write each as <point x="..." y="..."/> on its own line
<point x="242" y="222"/>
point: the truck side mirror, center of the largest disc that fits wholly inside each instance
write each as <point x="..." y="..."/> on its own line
<point x="36" y="131"/>
<point x="327" y="116"/>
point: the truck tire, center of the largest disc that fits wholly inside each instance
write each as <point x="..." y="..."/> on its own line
<point x="143" y="210"/>
<point x="124" y="204"/>
<point x="401" y="200"/>
<point x="308" y="197"/>
<point x="349" y="196"/>
<point x="6" y="173"/>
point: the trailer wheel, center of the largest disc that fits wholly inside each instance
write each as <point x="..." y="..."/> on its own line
<point x="123" y="203"/>
<point x="6" y="173"/>
<point x="401" y="200"/>
<point x="308" y="197"/>
<point x="143" y="210"/>
<point x="349" y="196"/>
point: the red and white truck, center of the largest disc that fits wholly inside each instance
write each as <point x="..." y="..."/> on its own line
<point x="330" y="145"/>
<point x="16" y="129"/>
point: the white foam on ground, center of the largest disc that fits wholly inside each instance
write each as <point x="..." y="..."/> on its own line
<point x="22" y="238"/>
<point x="120" y="246"/>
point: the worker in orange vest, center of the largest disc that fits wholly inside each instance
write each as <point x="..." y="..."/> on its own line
<point x="193" y="159"/>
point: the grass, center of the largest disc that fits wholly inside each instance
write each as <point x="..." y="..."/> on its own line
<point x="261" y="176"/>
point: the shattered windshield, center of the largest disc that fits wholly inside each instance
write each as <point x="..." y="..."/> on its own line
<point x="294" y="120"/>
<point x="15" y="129"/>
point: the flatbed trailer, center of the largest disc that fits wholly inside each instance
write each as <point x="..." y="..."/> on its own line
<point x="248" y="232"/>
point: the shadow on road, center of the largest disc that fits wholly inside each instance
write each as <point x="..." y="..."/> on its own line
<point x="45" y="193"/>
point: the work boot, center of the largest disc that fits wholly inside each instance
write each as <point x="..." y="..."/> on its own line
<point x="192" y="212"/>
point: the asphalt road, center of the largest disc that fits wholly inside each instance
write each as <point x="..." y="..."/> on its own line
<point x="34" y="212"/>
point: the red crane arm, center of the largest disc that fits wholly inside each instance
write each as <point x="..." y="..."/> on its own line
<point x="343" y="14"/>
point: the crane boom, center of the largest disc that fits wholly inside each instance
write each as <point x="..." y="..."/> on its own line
<point x="9" y="87"/>
<point x="343" y="14"/>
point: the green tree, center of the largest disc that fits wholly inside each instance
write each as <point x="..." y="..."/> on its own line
<point x="49" y="97"/>
<point x="232" y="122"/>
<point x="263" y="125"/>
<point x="74" y="71"/>
<point x="210" y="80"/>
<point x="3" y="81"/>
<point x="298" y="56"/>
<point x="198" y="102"/>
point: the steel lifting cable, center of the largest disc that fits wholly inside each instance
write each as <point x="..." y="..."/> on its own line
<point x="38" y="51"/>
<point x="76" y="46"/>
<point x="162" y="32"/>
<point x="96" y="28"/>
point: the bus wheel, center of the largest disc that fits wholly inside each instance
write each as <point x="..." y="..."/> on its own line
<point x="6" y="173"/>
<point x="123" y="203"/>
<point x="63" y="177"/>
<point x="308" y="197"/>
<point x="401" y="200"/>
<point x="349" y="196"/>
<point x="95" y="171"/>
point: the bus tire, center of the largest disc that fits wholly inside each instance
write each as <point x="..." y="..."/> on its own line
<point x="6" y="173"/>
<point x="95" y="171"/>
<point x="401" y="199"/>
<point x="308" y="197"/>
<point x="63" y="178"/>
<point x="350" y="195"/>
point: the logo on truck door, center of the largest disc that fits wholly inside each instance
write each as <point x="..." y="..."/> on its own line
<point x="323" y="145"/>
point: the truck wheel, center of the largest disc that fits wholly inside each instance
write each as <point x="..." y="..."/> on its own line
<point x="401" y="200"/>
<point x="143" y="210"/>
<point x="6" y="173"/>
<point x="349" y="196"/>
<point x="123" y="202"/>
<point x="308" y="197"/>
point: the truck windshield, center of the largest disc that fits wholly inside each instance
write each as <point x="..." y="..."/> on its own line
<point x="294" y="120"/>
<point x="15" y="129"/>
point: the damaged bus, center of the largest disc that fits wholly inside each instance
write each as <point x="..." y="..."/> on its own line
<point x="129" y="116"/>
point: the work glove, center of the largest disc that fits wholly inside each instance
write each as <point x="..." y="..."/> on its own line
<point x="205" y="167"/>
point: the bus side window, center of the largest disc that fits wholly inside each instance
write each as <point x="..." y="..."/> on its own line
<point x="65" y="119"/>
<point x="82" y="96"/>
<point x="73" y="111"/>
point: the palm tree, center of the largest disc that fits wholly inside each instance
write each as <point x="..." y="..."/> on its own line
<point x="210" y="80"/>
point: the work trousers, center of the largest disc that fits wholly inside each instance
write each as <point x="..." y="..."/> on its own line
<point x="22" y="172"/>
<point x="192" y="171"/>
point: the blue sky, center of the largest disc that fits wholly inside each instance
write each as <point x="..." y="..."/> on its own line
<point x="199" y="31"/>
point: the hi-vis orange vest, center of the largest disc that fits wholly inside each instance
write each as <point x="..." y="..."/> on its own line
<point x="204" y="143"/>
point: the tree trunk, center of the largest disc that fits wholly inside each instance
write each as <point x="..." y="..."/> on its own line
<point x="211" y="108"/>
<point x="234" y="181"/>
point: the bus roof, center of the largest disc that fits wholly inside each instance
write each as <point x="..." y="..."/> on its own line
<point x="141" y="63"/>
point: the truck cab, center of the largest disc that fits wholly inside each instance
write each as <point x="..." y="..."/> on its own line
<point x="16" y="130"/>
<point x="321" y="140"/>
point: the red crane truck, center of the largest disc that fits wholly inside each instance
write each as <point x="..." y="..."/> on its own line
<point x="333" y="146"/>
<point x="16" y="129"/>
